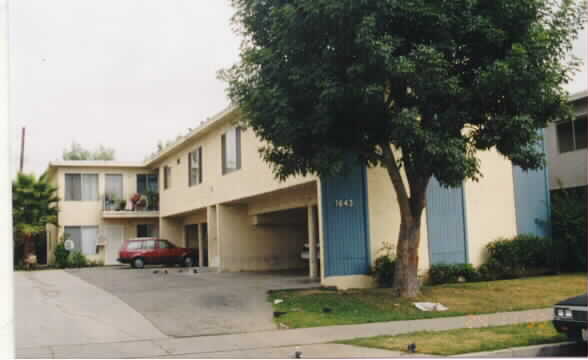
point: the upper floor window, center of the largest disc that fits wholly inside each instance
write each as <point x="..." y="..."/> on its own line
<point x="81" y="187"/>
<point x="166" y="177"/>
<point x="573" y="135"/>
<point x="195" y="167"/>
<point x="231" y="150"/>
<point x="113" y="186"/>
<point x="147" y="183"/>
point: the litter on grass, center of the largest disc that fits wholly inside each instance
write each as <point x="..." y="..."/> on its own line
<point x="277" y="301"/>
<point x="427" y="306"/>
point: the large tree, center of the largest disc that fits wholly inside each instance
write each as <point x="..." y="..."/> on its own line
<point x="417" y="87"/>
<point x="34" y="205"/>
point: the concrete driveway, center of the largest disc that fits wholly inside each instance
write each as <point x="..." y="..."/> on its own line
<point x="53" y="307"/>
<point x="182" y="304"/>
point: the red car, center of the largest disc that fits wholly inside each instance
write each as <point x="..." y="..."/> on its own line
<point x="153" y="251"/>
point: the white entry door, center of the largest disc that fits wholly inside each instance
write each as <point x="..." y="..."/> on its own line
<point x="114" y="235"/>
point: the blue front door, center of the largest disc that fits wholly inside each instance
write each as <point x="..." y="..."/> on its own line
<point x="345" y="223"/>
<point x="446" y="224"/>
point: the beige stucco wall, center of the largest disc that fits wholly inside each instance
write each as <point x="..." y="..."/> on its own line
<point x="248" y="247"/>
<point x="489" y="204"/>
<point x="254" y="178"/>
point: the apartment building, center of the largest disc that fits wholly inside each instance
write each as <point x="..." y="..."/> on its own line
<point x="217" y="195"/>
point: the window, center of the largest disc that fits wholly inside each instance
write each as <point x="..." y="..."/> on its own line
<point x="572" y="135"/>
<point x="134" y="245"/>
<point x="166" y="177"/>
<point x="146" y="230"/>
<point x="147" y="183"/>
<point x="148" y="244"/>
<point x="195" y="167"/>
<point x="81" y="187"/>
<point x="164" y="244"/>
<point x="84" y="238"/>
<point x="113" y="186"/>
<point x="231" y="150"/>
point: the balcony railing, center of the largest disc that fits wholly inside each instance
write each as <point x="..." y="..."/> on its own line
<point x="147" y="203"/>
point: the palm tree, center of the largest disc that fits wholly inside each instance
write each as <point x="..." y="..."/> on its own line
<point x="34" y="205"/>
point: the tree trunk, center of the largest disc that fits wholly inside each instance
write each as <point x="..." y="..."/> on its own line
<point x="411" y="207"/>
<point x="406" y="282"/>
<point x="29" y="246"/>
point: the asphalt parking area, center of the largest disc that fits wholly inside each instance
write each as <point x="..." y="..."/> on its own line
<point x="181" y="303"/>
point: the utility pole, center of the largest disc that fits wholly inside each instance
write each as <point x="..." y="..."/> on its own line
<point x="22" y="145"/>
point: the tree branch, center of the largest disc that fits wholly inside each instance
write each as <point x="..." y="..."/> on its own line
<point x="396" y="178"/>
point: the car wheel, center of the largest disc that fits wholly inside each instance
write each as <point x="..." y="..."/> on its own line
<point x="138" y="263"/>
<point x="188" y="261"/>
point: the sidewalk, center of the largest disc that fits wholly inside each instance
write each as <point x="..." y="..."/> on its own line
<point x="279" y="343"/>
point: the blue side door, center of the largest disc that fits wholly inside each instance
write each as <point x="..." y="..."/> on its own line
<point x="446" y="224"/>
<point x="532" y="199"/>
<point x="345" y="223"/>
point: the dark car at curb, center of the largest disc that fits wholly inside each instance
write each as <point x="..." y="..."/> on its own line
<point x="570" y="317"/>
<point x="139" y="252"/>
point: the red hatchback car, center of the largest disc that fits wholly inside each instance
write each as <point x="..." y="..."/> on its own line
<point x="153" y="251"/>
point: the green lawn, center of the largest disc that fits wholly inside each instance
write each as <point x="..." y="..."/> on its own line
<point x="463" y="341"/>
<point x="305" y="308"/>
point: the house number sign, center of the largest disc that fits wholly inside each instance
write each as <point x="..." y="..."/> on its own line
<point x="343" y="203"/>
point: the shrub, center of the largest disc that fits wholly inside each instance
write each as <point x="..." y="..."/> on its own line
<point x="61" y="256"/>
<point x="77" y="259"/>
<point x="568" y="217"/>
<point x="516" y="257"/>
<point x="451" y="273"/>
<point x="384" y="270"/>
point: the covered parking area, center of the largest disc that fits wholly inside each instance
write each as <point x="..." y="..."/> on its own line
<point x="273" y="231"/>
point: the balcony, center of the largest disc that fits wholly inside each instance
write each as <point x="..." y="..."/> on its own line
<point x="137" y="206"/>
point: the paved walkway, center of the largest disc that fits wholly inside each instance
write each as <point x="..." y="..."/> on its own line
<point x="278" y="343"/>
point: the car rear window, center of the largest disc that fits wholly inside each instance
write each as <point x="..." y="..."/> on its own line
<point x="134" y="245"/>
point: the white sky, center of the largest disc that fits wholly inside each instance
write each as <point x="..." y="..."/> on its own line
<point x="122" y="73"/>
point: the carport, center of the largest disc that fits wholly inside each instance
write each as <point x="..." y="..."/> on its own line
<point x="269" y="232"/>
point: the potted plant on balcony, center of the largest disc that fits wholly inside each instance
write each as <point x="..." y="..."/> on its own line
<point x="139" y="202"/>
<point x="122" y="205"/>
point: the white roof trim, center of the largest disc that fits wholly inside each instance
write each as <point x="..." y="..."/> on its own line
<point x="201" y="128"/>
<point x="578" y="95"/>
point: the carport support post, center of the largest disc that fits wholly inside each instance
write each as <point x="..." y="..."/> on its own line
<point x="312" y="242"/>
<point x="200" y="245"/>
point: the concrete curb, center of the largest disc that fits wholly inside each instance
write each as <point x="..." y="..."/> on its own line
<point x="545" y="350"/>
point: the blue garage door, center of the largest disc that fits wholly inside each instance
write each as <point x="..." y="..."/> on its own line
<point x="345" y="223"/>
<point x="532" y="200"/>
<point x="446" y="224"/>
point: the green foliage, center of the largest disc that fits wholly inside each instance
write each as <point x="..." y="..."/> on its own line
<point x="319" y="79"/>
<point x="452" y="273"/>
<point x="568" y="218"/>
<point x="384" y="270"/>
<point x="77" y="259"/>
<point x="77" y="152"/>
<point x="34" y="204"/>
<point x="61" y="256"/>
<point x="516" y="257"/>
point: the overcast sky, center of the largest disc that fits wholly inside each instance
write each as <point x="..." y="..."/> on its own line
<point x="122" y="73"/>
